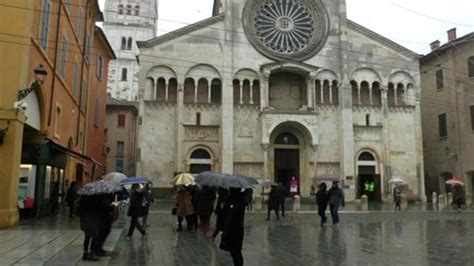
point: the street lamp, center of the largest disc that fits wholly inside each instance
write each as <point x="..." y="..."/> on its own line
<point x="40" y="74"/>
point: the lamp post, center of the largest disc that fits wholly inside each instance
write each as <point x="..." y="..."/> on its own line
<point x="40" y="74"/>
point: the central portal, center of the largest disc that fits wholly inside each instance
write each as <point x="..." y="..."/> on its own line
<point x="287" y="160"/>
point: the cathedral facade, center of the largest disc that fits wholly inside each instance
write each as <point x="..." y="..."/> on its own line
<point x="277" y="89"/>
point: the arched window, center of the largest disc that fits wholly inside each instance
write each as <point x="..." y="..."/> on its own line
<point x="161" y="89"/>
<point x="124" y="74"/>
<point x="246" y="91"/>
<point x="391" y="94"/>
<point x="172" y="90"/>
<point x="355" y="93"/>
<point x="124" y="43"/>
<point x="202" y="91"/>
<point x="198" y="119"/>
<point x="366" y="156"/>
<point x="365" y="93"/>
<point x="470" y="66"/>
<point x="129" y="43"/>
<point x="318" y="91"/>
<point x="120" y="9"/>
<point x="137" y="10"/>
<point x="236" y="85"/>
<point x="216" y="88"/>
<point x="326" y="93"/>
<point x="286" y="139"/>
<point x="200" y="154"/>
<point x="189" y="90"/>
<point x="376" y="94"/>
<point x="256" y="92"/>
<point x="400" y="94"/>
<point x="335" y="92"/>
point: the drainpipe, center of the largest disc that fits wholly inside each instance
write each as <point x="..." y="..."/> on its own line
<point x="53" y="86"/>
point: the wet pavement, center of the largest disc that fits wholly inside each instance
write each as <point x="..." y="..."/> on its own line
<point x="414" y="237"/>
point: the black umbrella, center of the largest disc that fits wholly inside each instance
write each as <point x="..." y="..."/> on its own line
<point x="225" y="180"/>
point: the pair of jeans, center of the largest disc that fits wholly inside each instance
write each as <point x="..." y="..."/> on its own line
<point x="334" y="213"/>
<point x="237" y="257"/>
<point x="134" y="223"/>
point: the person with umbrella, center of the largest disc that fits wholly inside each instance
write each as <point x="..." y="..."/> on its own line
<point x="322" y="201"/>
<point x="184" y="208"/>
<point x="233" y="230"/>
<point x="148" y="201"/>
<point x="458" y="195"/>
<point x="205" y="206"/>
<point x="273" y="202"/>
<point x="136" y="209"/>
<point x="335" y="199"/>
<point x="92" y="205"/>
<point x="219" y="211"/>
<point x="397" y="196"/>
<point x="281" y="192"/>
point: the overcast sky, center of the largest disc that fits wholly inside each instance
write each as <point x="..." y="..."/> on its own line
<point x="411" y="23"/>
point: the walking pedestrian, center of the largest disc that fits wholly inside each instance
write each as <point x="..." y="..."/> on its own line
<point x="184" y="208"/>
<point x="249" y="198"/>
<point x="233" y="234"/>
<point x="106" y="204"/>
<point x="136" y="209"/>
<point x="458" y="196"/>
<point x="148" y="201"/>
<point x="71" y="196"/>
<point x="322" y="201"/>
<point x="219" y="211"/>
<point x="89" y="218"/>
<point x="273" y="202"/>
<point x="335" y="199"/>
<point x="281" y="196"/>
<point x="205" y="206"/>
<point x="397" y="197"/>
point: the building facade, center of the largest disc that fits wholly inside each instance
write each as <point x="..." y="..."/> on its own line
<point x="121" y="143"/>
<point x="448" y="113"/>
<point x="125" y="23"/>
<point x="281" y="89"/>
<point x="50" y="149"/>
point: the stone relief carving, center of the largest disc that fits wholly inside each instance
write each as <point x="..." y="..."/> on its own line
<point x="201" y="133"/>
<point x="254" y="169"/>
<point x="362" y="133"/>
<point x="328" y="168"/>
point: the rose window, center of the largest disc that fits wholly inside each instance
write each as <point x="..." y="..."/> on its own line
<point x="284" y="26"/>
<point x="286" y="29"/>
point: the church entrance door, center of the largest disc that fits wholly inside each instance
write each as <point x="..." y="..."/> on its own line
<point x="287" y="164"/>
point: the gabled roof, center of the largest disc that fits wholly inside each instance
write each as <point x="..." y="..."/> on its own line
<point x="113" y="103"/>
<point x="180" y="32"/>
<point x="377" y="37"/>
<point x="445" y="47"/>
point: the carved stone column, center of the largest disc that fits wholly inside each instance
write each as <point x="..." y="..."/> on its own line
<point x="265" y="93"/>
<point x="310" y="90"/>
<point x="166" y="90"/>
<point x="251" y="93"/>
<point x="241" y="90"/>
<point x="209" y="91"/>
<point x="196" y="91"/>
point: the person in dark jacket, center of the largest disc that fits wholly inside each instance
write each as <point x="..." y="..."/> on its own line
<point x="249" y="198"/>
<point x="193" y="190"/>
<point x="89" y="213"/>
<point x="106" y="219"/>
<point x="273" y="202"/>
<point x="148" y="201"/>
<point x="322" y="201"/>
<point x="458" y="196"/>
<point x="71" y="196"/>
<point x="335" y="199"/>
<point x="219" y="211"/>
<point x="136" y="210"/>
<point x="281" y="195"/>
<point x="397" y="197"/>
<point x="233" y="234"/>
<point x="205" y="206"/>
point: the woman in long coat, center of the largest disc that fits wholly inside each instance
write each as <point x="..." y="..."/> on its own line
<point x="136" y="210"/>
<point x="322" y="201"/>
<point x="184" y="208"/>
<point x="205" y="206"/>
<point x="273" y="202"/>
<point x="233" y="234"/>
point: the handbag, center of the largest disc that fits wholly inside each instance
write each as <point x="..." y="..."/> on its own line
<point x="174" y="211"/>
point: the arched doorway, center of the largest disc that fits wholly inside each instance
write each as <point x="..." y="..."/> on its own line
<point x="286" y="159"/>
<point x="200" y="160"/>
<point x="368" y="172"/>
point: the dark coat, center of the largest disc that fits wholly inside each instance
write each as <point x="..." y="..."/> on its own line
<point x="93" y="210"/>
<point x="273" y="198"/>
<point x="137" y="207"/>
<point x="336" y="196"/>
<point x="183" y="203"/>
<point x="234" y="214"/>
<point x="281" y="193"/>
<point x="205" y="201"/>
<point x="322" y="198"/>
<point x="220" y="209"/>
<point x="71" y="196"/>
